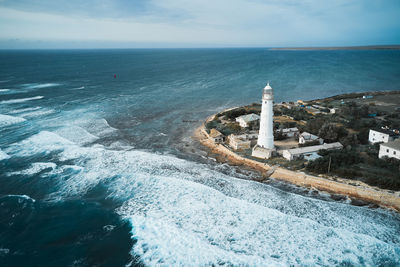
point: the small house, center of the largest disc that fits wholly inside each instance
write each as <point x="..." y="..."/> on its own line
<point x="390" y="149"/>
<point x="306" y="137"/>
<point x="243" y="141"/>
<point x="381" y="136"/>
<point x="245" y="120"/>
<point x="216" y="136"/>
<point x="289" y="132"/>
<point x="309" y="152"/>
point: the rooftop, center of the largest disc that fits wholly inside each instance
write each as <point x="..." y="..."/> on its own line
<point x="268" y="89"/>
<point x="310" y="149"/>
<point x="308" y="136"/>
<point x="215" y="133"/>
<point x="385" y="131"/>
<point x="249" y="117"/>
<point x="392" y="144"/>
<point x="287" y="130"/>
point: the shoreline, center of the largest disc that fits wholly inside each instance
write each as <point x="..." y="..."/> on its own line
<point x="341" y="186"/>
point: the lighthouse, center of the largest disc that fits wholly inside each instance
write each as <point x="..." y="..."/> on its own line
<point x="266" y="133"/>
<point x="265" y="143"/>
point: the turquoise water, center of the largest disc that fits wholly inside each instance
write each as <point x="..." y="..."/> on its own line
<point x="97" y="170"/>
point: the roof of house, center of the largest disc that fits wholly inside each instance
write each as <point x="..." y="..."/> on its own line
<point x="308" y="136"/>
<point x="385" y="131"/>
<point x="392" y="144"/>
<point x="244" y="136"/>
<point x="215" y="133"/>
<point x="310" y="149"/>
<point x="249" y="117"/>
<point x="288" y="130"/>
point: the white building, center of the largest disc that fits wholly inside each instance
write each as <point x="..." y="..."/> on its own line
<point x="381" y="135"/>
<point x="390" y="149"/>
<point x="289" y="132"/>
<point x="309" y="152"/>
<point x="242" y="141"/>
<point x="306" y="137"/>
<point x="246" y="119"/>
<point x="265" y="143"/>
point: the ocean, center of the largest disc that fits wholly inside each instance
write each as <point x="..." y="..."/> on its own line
<point x="98" y="167"/>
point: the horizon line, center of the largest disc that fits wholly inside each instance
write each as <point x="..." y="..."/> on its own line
<point x="357" y="47"/>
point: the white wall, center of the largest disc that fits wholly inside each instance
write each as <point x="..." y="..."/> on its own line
<point x="241" y="122"/>
<point x="388" y="152"/>
<point x="266" y="134"/>
<point x="286" y="154"/>
<point x="377" y="137"/>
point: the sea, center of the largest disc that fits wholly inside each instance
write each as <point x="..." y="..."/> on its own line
<point x="98" y="166"/>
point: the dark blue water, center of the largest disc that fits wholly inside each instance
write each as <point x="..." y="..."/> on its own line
<point x="97" y="170"/>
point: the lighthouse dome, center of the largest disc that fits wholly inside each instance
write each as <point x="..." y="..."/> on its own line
<point x="267" y="89"/>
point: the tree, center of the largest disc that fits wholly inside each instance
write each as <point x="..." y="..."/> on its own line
<point x="314" y="125"/>
<point x="353" y="110"/>
<point x="331" y="133"/>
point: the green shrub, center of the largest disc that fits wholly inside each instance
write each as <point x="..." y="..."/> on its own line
<point x="234" y="113"/>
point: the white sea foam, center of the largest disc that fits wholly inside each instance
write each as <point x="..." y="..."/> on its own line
<point x="4" y="90"/>
<point x="78" y="88"/>
<point x="37" y="113"/>
<point x="40" y="85"/>
<point x="183" y="213"/>
<point x="198" y="225"/>
<point x="22" y="197"/>
<point x="22" y="110"/>
<point x="4" y="251"/>
<point x="99" y="126"/>
<point x="77" y="135"/>
<point x="6" y="120"/>
<point x="35" y="168"/>
<point x="108" y="227"/>
<point x="21" y="100"/>
<point x="3" y="155"/>
<point x="42" y="143"/>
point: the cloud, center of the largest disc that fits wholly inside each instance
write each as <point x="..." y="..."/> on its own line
<point x="203" y="22"/>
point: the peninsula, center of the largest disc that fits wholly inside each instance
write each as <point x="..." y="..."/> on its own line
<point x="345" y="144"/>
<point x="367" y="47"/>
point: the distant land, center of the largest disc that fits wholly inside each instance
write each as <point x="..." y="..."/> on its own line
<point x="367" y="47"/>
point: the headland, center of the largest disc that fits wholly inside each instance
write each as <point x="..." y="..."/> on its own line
<point x="368" y="47"/>
<point x="306" y="172"/>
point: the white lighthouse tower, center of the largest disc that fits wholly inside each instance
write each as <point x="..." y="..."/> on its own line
<point x="265" y="143"/>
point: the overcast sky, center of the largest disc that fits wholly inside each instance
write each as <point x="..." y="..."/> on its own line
<point x="197" y="23"/>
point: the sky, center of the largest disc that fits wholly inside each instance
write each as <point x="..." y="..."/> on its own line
<point x="197" y="23"/>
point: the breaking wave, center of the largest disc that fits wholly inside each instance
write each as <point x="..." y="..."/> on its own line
<point x="40" y="85"/>
<point x="6" y="120"/>
<point x="78" y="88"/>
<point x="22" y="197"/>
<point x="44" y="142"/>
<point x="183" y="213"/>
<point x="21" y="100"/>
<point x="77" y="135"/>
<point x="37" y="113"/>
<point x="3" y="155"/>
<point x="35" y="168"/>
<point x="22" y="110"/>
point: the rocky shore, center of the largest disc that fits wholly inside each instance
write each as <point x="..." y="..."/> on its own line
<point x="341" y="186"/>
